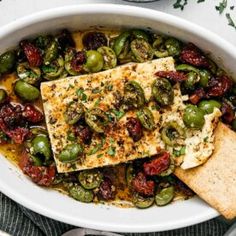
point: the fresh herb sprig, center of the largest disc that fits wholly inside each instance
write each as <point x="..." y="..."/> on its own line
<point x="222" y="6"/>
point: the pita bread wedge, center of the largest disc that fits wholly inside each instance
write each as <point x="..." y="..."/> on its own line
<point x="215" y="181"/>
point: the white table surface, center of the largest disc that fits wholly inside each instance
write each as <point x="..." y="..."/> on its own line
<point x="203" y="13"/>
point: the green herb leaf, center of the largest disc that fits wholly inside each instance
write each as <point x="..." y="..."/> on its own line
<point x="230" y="20"/>
<point x="100" y="155"/>
<point x="118" y="114"/>
<point x="96" y="90"/>
<point x="111" y="151"/>
<point x="180" y="152"/>
<point x="222" y="6"/>
<point x="82" y="96"/>
<point x="97" y="102"/>
<point x="180" y="4"/>
<point x="97" y="147"/>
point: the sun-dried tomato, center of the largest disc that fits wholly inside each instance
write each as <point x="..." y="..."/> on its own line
<point x="106" y="189"/>
<point x="94" y="40"/>
<point x="134" y="128"/>
<point x="192" y="55"/>
<point x="32" y="53"/>
<point x="175" y="76"/>
<point x="219" y="86"/>
<point x="227" y="112"/>
<point x="32" y="114"/>
<point x="11" y="115"/>
<point x="12" y="123"/>
<point x="42" y="175"/>
<point x="77" y="61"/>
<point x="197" y="95"/>
<point x="157" y="165"/>
<point x="141" y="185"/>
<point x="18" y="134"/>
<point x="83" y="132"/>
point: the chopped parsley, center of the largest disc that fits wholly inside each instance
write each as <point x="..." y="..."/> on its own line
<point x="111" y="151"/>
<point x="100" y="155"/>
<point x="206" y="139"/>
<point x="97" y="102"/>
<point x="230" y="20"/>
<point x="96" y="90"/>
<point x="222" y="6"/>
<point x="82" y="96"/>
<point x="108" y="87"/>
<point x="180" y="152"/>
<point x="97" y="147"/>
<point x="118" y="114"/>
<point x="180" y="4"/>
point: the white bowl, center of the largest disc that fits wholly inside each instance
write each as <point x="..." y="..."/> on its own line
<point x="57" y="206"/>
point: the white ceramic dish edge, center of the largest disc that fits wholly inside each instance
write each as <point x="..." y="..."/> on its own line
<point x="7" y="189"/>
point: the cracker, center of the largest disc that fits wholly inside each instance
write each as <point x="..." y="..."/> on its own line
<point x="215" y="181"/>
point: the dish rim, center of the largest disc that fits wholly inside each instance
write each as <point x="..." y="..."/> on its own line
<point x="121" y="10"/>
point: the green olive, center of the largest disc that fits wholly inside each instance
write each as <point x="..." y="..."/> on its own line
<point x="37" y="161"/>
<point x="94" y="61"/>
<point x="51" y="52"/>
<point x="213" y="67"/>
<point x="163" y="92"/>
<point x="165" y="196"/>
<point x="80" y="194"/>
<point x="121" y="43"/>
<point x="96" y="119"/>
<point x="26" y="91"/>
<point x="146" y="118"/>
<point x="173" y="47"/>
<point x="141" y="50"/>
<point x="205" y="76"/>
<point x="71" y="152"/>
<point x="142" y="202"/>
<point x="208" y="105"/>
<point x="41" y="145"/>
<point x="133" y="94"/>
<point x="193" y="117"/>
<point x="171" y="133"/>
<point x="129" y="174"/>
<point x="42" y="41"/>
<point x="140" y="34"/>
<point x="90" y="179"/>
<point x="3" y="95"/>
<point x="187" y="68"/>
<point x="192" y="79"/>
<point x="54" y="70"/>
<point x="159" y="48"/>
<point x="74" y="112"/>
<point x="109" y="57"/>
<point x="7" y="61"/>
<point x="31" y="75"/>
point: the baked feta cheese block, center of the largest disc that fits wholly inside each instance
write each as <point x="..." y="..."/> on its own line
<point x="112" y="145"/>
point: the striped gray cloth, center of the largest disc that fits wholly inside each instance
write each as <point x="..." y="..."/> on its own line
<point x="19" y="221"/>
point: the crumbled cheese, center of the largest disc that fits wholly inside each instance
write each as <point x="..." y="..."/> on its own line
<point x="200" y="143"/>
